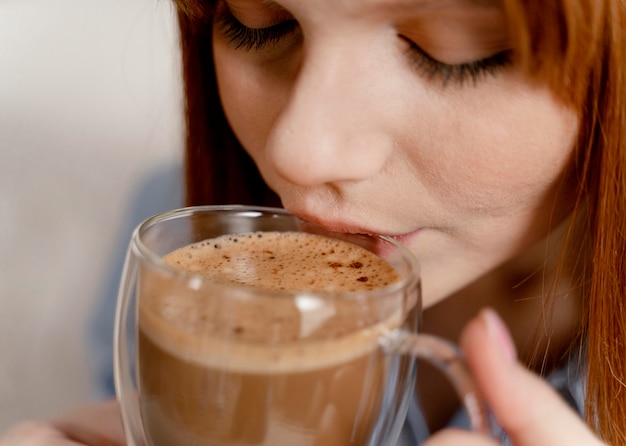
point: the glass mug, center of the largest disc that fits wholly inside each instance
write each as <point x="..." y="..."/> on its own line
<point x="200" y="361"/>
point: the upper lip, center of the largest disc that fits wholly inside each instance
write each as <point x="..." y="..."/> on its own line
<point x="337" y="225"/>
<point x="347" y="227"/>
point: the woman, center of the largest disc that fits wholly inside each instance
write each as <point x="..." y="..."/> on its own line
<point x="478" y="132"/>
<point x="472" y="129"/>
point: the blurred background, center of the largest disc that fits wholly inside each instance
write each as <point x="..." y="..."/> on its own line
<point x="90" y="144"/>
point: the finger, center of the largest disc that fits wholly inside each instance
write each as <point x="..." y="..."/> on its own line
<point x="95" y="425"/>
<point x="32" y="433"/>
<point x="456" y="437"/>
<point x="526" y="407"/>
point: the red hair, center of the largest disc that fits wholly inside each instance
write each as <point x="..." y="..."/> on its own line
<point x="578" y="48"/>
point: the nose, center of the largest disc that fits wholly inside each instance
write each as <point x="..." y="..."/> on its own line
<point x="333" y="126"/>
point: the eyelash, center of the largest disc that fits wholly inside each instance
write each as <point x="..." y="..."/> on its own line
<point x="457" y="73"/>
<point x="249" y="39"/>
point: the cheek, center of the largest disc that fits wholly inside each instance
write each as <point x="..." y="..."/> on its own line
<point x="241" y="99"/>
<point x="251" y="98"/>
<point x="497" y="155"/>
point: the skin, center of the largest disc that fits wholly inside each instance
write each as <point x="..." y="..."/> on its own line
<point x="94" y="425"/>
<point x="354" y="131"/>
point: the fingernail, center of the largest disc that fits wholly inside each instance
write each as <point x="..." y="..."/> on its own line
<point x="500" y="334"/>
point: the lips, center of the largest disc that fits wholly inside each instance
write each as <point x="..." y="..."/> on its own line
<point x="336" y="226"/>
<point x="405" y="238"/>
<point x="350" y="228"/>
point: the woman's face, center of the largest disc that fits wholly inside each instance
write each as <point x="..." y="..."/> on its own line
<point x="400" y="117"/>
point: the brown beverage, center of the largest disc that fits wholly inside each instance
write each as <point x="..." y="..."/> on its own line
<point x="217" y="368"/>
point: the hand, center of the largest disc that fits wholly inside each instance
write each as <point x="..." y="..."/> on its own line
<point x="96" y="425"/>
<point x="526" y="407"/>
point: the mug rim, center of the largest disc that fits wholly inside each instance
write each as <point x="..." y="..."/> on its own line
<point x="196" y="281"/>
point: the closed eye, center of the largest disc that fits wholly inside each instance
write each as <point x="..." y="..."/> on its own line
<point x="457" y="73"/>
<point x="249" y="39"/>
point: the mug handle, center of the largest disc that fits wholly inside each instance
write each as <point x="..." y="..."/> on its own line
<point x="447" y="358"/>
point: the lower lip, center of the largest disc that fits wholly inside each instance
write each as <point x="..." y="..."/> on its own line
<point x="405" y="239"/>
<point x="384" y="248"/>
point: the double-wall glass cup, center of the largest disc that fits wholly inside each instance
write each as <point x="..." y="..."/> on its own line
<point x="200" y="360"/>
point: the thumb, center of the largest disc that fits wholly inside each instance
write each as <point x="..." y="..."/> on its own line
<point x="526" y="407"/>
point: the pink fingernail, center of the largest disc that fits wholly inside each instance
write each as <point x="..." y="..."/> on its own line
<point x="500" y="333"/>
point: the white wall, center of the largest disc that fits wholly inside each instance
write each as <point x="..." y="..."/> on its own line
<point x="90" y="143"/>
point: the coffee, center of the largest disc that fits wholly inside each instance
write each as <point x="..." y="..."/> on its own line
<point x="219" y="368"/>
<point x="285" y="261"/>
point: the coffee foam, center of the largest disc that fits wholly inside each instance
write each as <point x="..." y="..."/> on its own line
<point x="285" y="261"/>
<point x="215" y="328"/>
